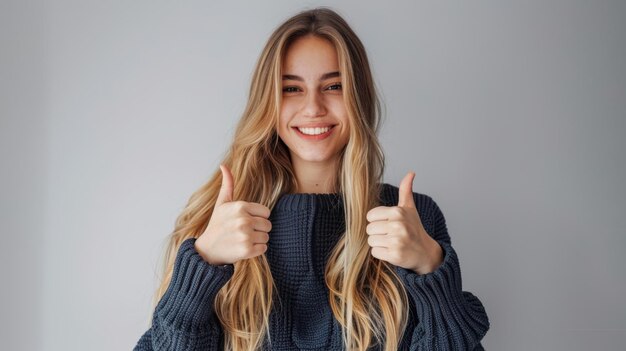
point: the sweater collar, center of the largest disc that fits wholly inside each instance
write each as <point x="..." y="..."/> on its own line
<point x="302" y="201"/>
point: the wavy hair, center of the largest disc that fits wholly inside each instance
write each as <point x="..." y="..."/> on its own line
<point x="365" y="294"/>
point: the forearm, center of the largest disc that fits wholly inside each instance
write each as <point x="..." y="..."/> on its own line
<point x="184" y="318"/>
<point x="448" y="318"/>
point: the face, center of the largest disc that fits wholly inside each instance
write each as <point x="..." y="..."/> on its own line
<point x="313" y="118"/>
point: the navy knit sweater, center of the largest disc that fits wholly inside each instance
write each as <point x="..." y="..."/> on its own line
<point x="305" y="228"/>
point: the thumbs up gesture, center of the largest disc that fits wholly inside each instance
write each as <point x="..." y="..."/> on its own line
<point x="237" y="229"/>
<point x="397" y="236"/>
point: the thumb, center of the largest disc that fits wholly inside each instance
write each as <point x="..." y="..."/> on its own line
<point x="226" y="191"/>
<point x="405" y="196"/>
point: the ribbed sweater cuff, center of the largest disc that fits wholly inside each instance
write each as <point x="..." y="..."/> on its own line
<point x="187" y="305"/>
<point x="449" y="318"/>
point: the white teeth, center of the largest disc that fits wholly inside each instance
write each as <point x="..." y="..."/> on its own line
<point x="314" y="131"/>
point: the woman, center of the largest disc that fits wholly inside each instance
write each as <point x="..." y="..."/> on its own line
<point x="294" y="243"/>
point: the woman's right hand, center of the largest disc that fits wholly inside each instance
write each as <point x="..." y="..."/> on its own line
<point x="237" y="229"/>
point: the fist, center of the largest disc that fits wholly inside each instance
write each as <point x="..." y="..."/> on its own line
<point x="237" y="230"/>
<point x="396" y="234"/>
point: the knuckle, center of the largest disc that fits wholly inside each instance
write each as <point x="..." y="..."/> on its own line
<point x="241" y="238"/>
<point x="397" y="211"/>
<point x="396" y="242"/>
<point x="267" y="211"/>
<point x="396" y="226"/>
<point x="391" y="226"/>
<point x="246" y="249"/>
<point x="239" y="206"/>
<point x="242" y="223"/>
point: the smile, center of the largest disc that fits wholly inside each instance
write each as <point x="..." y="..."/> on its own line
<point x="314" y="133"/>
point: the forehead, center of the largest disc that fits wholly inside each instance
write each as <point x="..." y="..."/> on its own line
<point x="310" y="54"/>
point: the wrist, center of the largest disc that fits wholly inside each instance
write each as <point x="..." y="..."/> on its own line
<point x="435" y="258"/>
<point x="201" y="253"/>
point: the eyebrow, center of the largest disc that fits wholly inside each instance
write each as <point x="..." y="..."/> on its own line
<point x="323" y="77"/>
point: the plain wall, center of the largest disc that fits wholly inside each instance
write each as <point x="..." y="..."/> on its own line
<point x="512" y="114"/>
<point x="22" y="174"/>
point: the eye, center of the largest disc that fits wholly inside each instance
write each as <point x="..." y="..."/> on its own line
<point x="290" y="89"/>
<point x="336" y="86"/>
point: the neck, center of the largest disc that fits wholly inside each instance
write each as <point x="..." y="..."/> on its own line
<point x="315" y="177"/>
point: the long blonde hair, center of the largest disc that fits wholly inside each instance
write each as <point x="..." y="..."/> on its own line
<point x="366" y="296"/>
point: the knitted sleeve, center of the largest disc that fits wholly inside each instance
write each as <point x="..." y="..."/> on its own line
<point x="184" y="318"/>
<point x="448" y="318"/>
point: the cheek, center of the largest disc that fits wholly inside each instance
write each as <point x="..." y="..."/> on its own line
<point x="288" y="110"/>
<point x="283" y="123"/>
<point x="282" y="117"/>
<point x="342" y="116"/>
<point x="339" y="110"/>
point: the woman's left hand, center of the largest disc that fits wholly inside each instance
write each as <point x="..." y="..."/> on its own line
<point x="396" y="234"/>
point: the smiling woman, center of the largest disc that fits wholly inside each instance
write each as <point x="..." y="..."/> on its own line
<point x="295" y="242"/>
<point x="313" y="117"/>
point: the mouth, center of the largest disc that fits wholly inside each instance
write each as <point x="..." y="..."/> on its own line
<point x="314" y="133"/>
<point x="314" y="130"/>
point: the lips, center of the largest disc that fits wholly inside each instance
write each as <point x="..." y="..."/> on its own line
<point x="312" y="132"/>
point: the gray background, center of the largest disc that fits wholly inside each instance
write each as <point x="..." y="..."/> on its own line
<point x="511" y="113"/>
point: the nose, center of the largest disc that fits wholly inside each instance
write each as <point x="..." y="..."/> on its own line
<point x="313" y="105"/>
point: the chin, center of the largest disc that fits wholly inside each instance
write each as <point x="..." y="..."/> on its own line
<point x="315" y="158"/>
